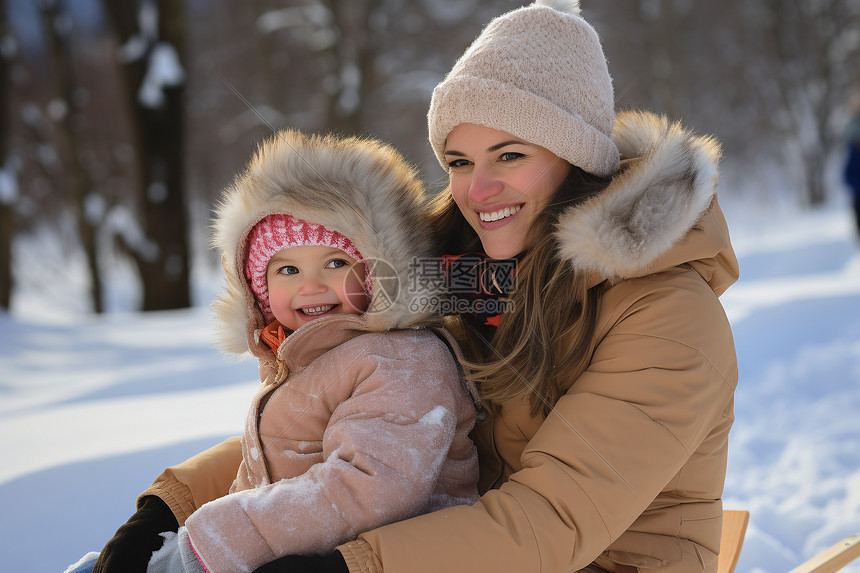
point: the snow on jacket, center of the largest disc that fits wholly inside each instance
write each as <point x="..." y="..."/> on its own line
<point x="629" y="466"/>
<point x="371" y="423"/>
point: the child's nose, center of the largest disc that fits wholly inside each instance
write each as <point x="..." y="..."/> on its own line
<point x="312" y="285"/>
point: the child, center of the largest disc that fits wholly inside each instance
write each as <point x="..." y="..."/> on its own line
<point x="362" y="417"/>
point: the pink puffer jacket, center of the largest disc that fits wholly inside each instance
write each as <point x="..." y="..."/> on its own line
<point x="368" y="429"/>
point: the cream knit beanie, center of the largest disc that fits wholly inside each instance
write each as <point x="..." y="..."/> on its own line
<point x="539" y="74"/>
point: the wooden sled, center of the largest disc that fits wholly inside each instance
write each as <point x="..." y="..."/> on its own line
<point x="735" y="527"/>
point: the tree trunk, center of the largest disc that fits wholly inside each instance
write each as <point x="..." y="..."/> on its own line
<point x="355" y="54"/>
<point x="816" y="188"/>
<point x="77" y="179"/>
<point x="159" y="132"/>
<point x="273" y="80"/>
<point x="7" y="222"/>
<point x="7" y="204"/>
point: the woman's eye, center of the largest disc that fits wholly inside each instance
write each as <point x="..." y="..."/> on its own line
<point x="336" y="264"/>
<point x="457" y="163"/>
<point x="510" y="156"/>
<point x="288" y="270"/>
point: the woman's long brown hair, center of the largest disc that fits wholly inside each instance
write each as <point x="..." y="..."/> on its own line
<point x="544" y="341"/>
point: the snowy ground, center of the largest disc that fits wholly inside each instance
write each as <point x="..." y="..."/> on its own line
<point x="92" y="409"/>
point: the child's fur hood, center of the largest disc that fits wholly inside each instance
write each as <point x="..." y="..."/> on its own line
<point x="666" y="184"/>
<point x="358" y="187"/>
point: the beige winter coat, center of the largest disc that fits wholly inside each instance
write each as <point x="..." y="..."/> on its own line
<point x="360" y="420"/>
<point x="629" y="466"/>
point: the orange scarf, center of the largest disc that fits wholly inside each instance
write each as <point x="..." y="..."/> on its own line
<point x="273" y="335"/>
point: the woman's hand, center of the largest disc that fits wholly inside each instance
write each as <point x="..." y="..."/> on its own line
<point x="331" y="563"/>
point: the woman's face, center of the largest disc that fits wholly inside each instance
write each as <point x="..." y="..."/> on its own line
<point x="500" y="183"/>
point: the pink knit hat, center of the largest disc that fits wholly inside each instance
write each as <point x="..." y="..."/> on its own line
<point x="281" y="231"/>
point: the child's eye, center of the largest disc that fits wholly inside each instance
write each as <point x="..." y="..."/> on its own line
<point x="510" y="156"/>
<point x="288" y="270"/>
<point x="457" y="163"/>
<point x="336" y="264"/>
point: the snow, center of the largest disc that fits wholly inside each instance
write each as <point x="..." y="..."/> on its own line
<point x="8" y="186"/>
<point x="57" y="109"/>
<point x="434" y="417"/>
<point x="123" y="222"/>
<point x="163" y="67"/>
<point x="31" y="115"/>
<point x="91" y="556"/>
<point x="8" y="47"/>
<point x="276" y="20"/>
<point x="95" y="208"/>
<point x="163" y="70"/>
<point x="93" y="408"/>
<point x="137" y="45"/>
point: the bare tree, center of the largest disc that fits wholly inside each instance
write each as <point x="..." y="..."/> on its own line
<point x="270" y="56"/>
<point x="151" y="38"/>
<point x="338" y="71"/>
<point x="808" y="50"/>
<point x="365" y="67"/>
<point x="353" y="78"/>
<point x="642" y="40"/>
<point x="8" y="186"/>
<point x="57" y="28"/>
<point x="766" y="77"/>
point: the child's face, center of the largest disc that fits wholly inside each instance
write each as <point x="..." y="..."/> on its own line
<point x="308" y="282"/>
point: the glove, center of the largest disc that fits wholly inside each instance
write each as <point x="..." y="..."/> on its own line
<point x="176" y="556"/>
<point x="131" y="547"/>
<point x="331" y="563"/>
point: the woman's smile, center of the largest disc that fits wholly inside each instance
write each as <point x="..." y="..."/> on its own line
<point x="499" y="215"/>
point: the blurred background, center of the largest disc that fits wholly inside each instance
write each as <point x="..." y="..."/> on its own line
<point x="121" y="120"/>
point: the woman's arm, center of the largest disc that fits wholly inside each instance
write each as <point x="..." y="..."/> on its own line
<point x="202" y="478"/>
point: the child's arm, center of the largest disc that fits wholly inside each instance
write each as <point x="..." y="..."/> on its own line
<point x="383" y="451"/>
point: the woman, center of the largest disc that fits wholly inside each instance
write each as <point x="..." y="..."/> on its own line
<point x="609" y="381"/>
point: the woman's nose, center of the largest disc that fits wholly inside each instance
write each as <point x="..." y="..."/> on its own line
<point x="484" y="186"/>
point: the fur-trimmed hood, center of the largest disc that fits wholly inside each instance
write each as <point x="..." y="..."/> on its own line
<point x="358" y="187"/>
<point x="659" y="210"/>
